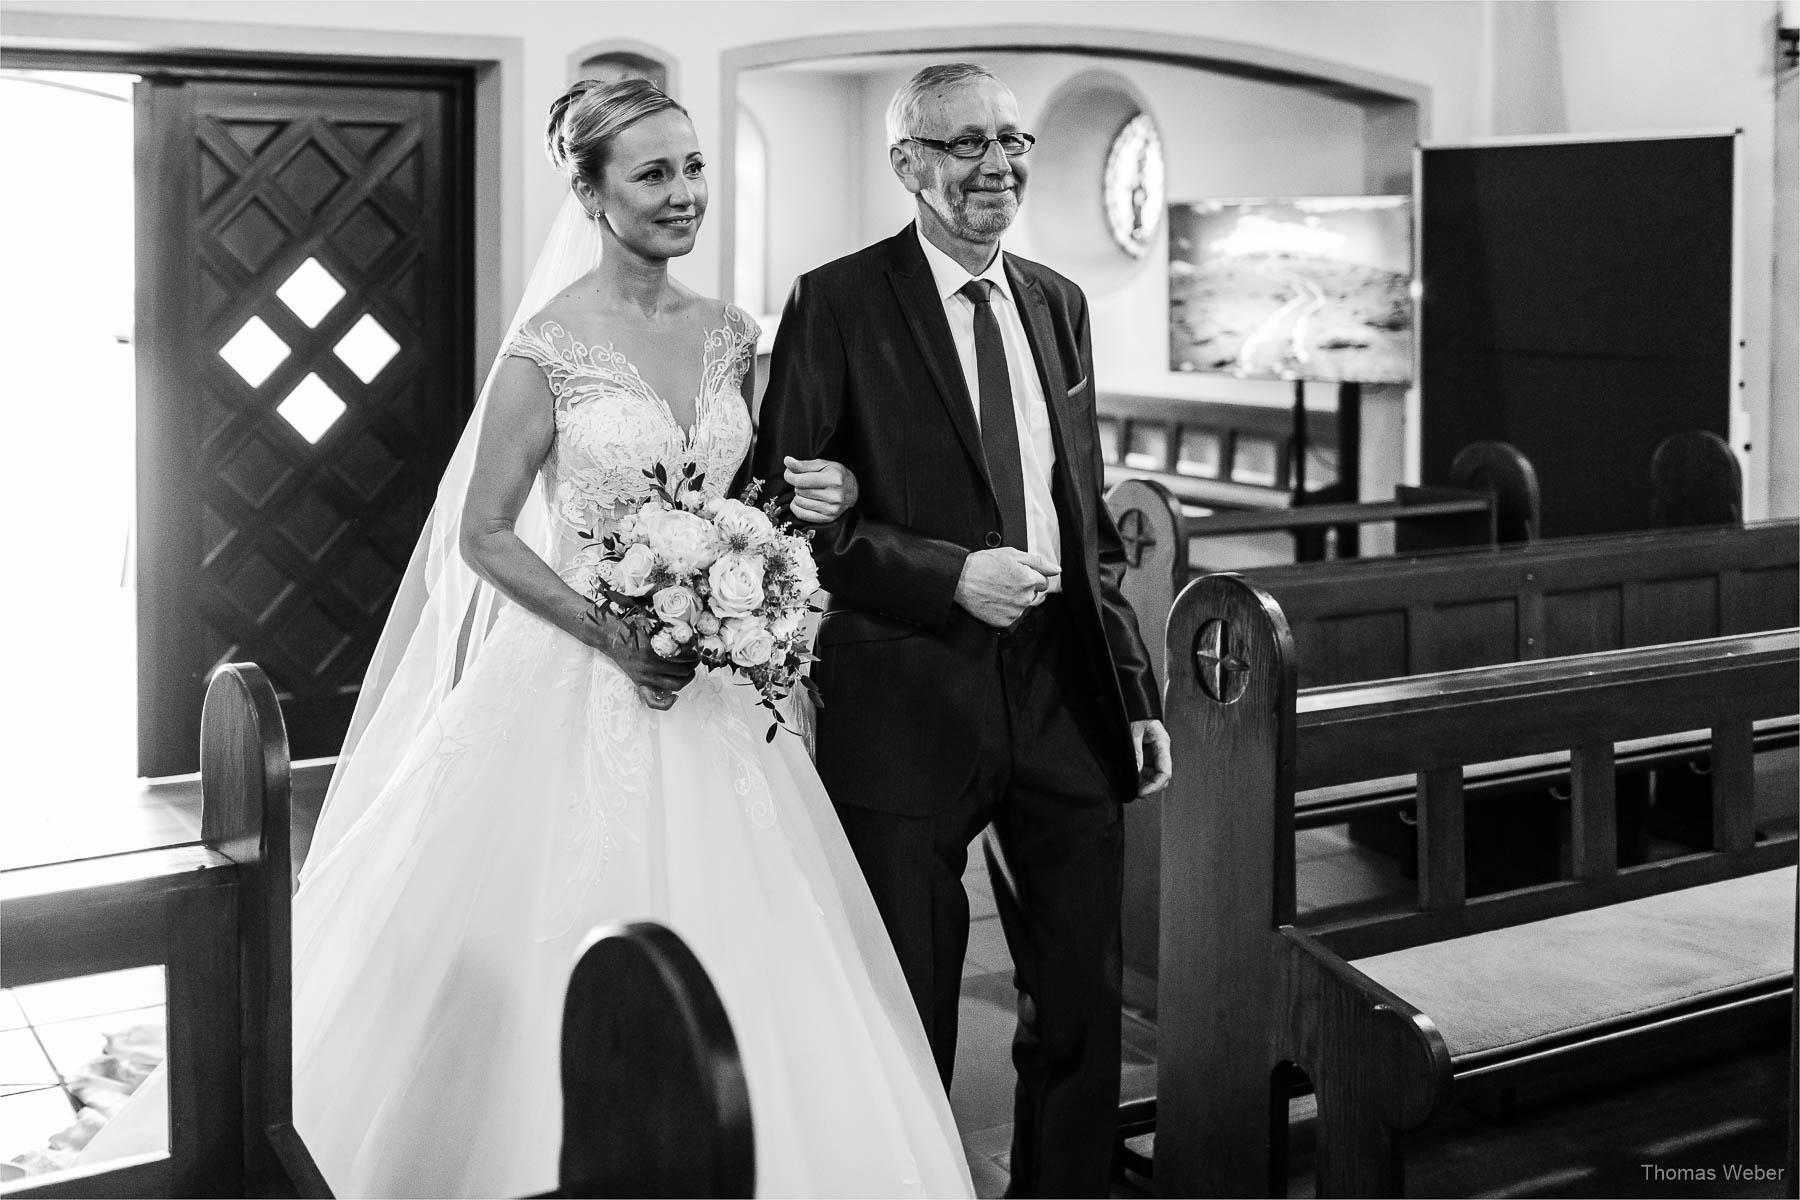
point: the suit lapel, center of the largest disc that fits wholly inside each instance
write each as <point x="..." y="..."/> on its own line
<point x="1042" y="336"/>
<point x="1040" y="331"/>
<point x="924" y="312"/>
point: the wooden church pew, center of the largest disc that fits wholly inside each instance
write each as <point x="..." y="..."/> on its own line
<point x="1386" y="1015"/>
<point x="1361" y="619"/>
<point x="646" y="1045"/>
<point x="215" y="915"/>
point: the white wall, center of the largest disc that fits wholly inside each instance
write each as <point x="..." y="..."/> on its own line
<point x="1629" y="65"/>
<point x="810" y="120"/>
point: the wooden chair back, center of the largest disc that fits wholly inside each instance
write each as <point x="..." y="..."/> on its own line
<point x="654" y="1097"/>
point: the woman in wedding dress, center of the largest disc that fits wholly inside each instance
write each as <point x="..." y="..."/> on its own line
<point x="516" y="775"/>
<point x="572" y="778"/>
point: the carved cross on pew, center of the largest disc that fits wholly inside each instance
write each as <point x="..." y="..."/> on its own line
<point x="1134" y="532"/>
<point x="1223" y="675"/>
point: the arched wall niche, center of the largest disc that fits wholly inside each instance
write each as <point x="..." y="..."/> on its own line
<point x="625" y="58"/>
<point x="1066" y="209"/>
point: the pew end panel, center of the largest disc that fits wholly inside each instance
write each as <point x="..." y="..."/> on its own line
<point x="1695" y="479"/>
<point x="1149" y="520"/>
<point x="1229" y="953"/>
<point x="215" y="916"/>
<point x="655" y="1102"/>
<point x="1377" y="1064"/>
<point x="1502" y="470"/>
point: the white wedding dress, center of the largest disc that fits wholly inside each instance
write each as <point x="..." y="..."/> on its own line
<point x="434" y="936"/>
<point x="433" y="943"/>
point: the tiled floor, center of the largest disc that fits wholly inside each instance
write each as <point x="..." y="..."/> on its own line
<point x="54" y="1057"/>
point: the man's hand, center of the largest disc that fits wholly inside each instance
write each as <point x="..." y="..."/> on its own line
<point x="997" y="586"/>
<point x="1151" y="741"/>
<point x="823" y="490"/>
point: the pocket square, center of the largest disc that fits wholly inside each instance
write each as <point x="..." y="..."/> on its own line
<point x="1083" y="383"/>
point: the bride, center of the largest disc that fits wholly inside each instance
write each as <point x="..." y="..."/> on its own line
<point x="516" y="775"/>
<point x="477" y="832"/>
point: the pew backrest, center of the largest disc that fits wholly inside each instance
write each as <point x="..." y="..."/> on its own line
<point x="1435" y="726"/>
<point x="1380" y="618"/>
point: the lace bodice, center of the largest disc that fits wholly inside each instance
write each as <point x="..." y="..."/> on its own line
<point x="611" y="425"/>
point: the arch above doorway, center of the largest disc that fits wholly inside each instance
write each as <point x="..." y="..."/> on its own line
<point x="1397" y="109"/>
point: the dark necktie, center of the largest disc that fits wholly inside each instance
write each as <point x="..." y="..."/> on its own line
<point x="999" y="430"/>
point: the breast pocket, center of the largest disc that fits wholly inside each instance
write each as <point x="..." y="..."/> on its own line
<point x="1081" y="396"/>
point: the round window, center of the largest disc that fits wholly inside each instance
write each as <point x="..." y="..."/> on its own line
<point x="1132" y="185"/>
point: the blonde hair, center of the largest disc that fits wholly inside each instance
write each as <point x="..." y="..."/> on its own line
<point x="906" y="109"/>
<point x="585" y="119"/>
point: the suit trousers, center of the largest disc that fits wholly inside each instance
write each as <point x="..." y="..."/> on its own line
<point x="1041" y="785"/>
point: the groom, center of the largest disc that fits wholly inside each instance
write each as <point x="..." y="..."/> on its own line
<point x="978" y="662"/>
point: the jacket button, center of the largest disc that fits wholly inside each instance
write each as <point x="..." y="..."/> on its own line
<point x="993" y="540"/>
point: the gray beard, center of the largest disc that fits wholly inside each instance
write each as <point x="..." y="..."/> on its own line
<point x="978" y="224"/>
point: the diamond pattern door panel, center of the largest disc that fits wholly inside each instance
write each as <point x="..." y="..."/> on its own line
<point x="305" y="335"/>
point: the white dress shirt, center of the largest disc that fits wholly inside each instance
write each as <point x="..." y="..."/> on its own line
<point x="1037" y="451"/>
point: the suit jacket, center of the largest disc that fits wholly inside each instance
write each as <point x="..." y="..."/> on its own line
<point x="865" y="373"/>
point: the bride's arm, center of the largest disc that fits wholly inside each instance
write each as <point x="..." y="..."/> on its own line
<point x="823" y="490"/>
<point x="516" y="435"/>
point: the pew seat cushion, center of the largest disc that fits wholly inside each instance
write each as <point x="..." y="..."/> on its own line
<point x="1501" y="993"/>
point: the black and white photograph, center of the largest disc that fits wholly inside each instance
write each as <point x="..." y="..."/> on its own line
<point x="845" y="599"/>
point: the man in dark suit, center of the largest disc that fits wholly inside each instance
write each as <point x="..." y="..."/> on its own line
<point x="978" y="662"/>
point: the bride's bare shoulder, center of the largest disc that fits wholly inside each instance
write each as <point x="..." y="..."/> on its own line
<point x="566" y="319"/>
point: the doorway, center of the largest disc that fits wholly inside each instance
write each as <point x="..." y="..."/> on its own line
<point x="303" y="307"/>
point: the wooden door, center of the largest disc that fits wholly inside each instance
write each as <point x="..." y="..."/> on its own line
<point x="304" y="326"/>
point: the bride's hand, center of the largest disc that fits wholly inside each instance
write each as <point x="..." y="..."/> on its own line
<point x="823" y="490"/>
<point x="658" y="679"/>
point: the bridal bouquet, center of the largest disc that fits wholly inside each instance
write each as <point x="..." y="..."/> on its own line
<point x="715" y="578"/>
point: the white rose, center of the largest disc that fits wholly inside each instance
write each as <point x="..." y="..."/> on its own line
<point x="801" y="565"/>
<point x="632" y="575"/>
<point x="743" y="527"/>
<point x="714" y="507"/>
<point x="685" y="542"/>
<point x="748" y="640"/>
<point x="681" y="631"/>
<point x="712" y="643"/>
<point x="626" y="528"/>
<point x="676" y="603"/>
<point x="707" y="623"/>
<point x="784" y="626"/>
<point x="693" y="501"/>
<point x="665" y="644"/>
<point x="737" y="584"/>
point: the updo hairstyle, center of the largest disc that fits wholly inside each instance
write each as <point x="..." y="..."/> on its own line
<point x="586" y="118"/>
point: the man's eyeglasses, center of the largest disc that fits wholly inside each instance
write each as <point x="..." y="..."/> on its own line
<point x="973" y="145"/>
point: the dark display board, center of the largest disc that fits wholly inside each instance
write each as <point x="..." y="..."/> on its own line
<point x="1576" y="302"/>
